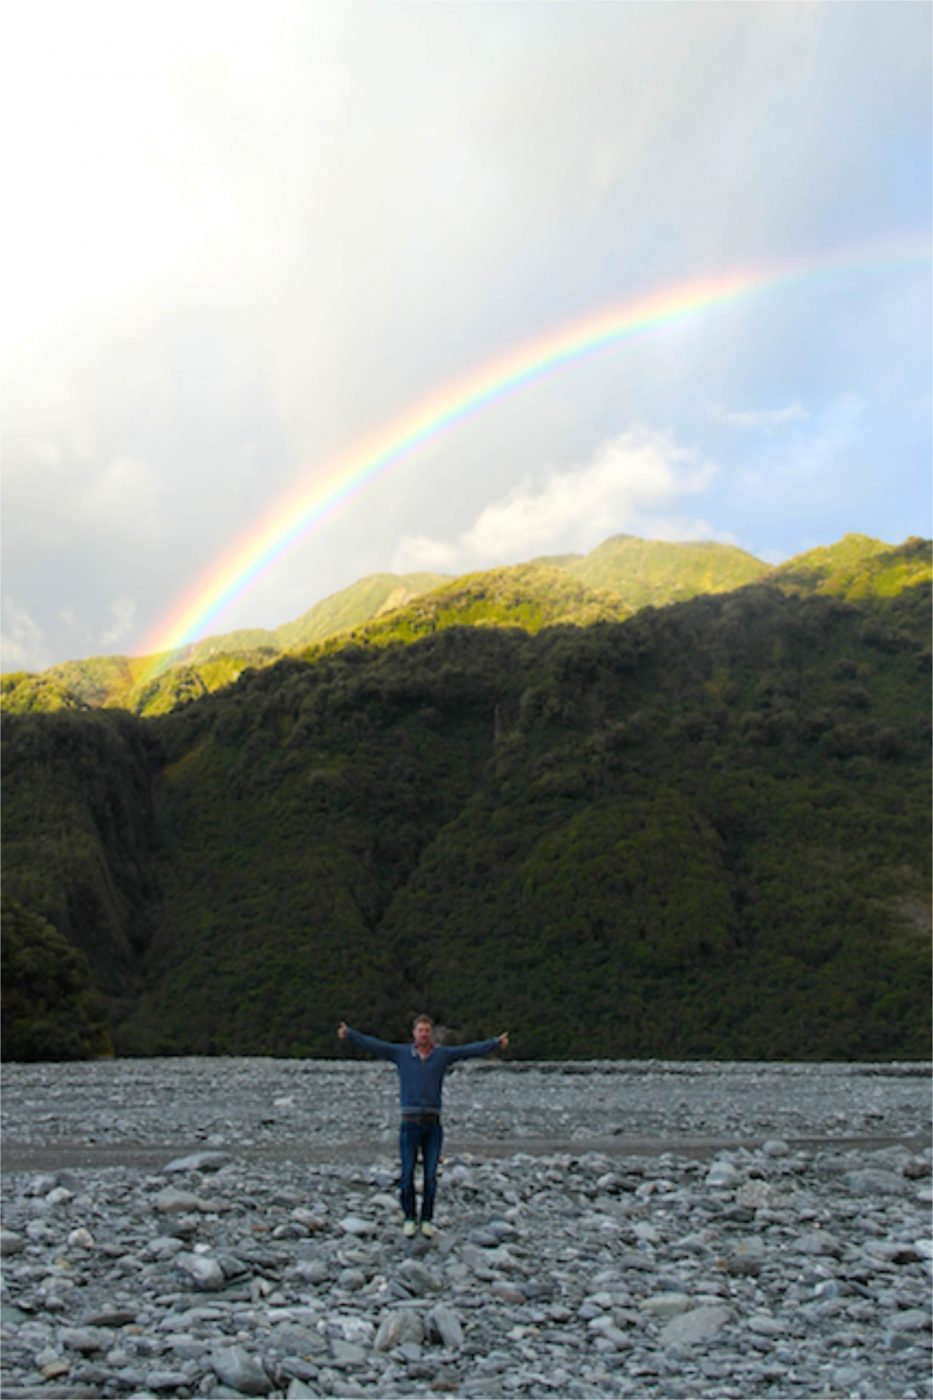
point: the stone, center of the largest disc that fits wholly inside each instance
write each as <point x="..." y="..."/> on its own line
<point x="397" y="1326"/>
<point x="174" y="1202"/>
<point x="110" y="1317"/>
<point x="875" y="1181"/>
<point x="205" y="1273"/>
<point x="243" y="1373"/>
<point x="754" y="1194"/>
<point x="197" y="1162"/>
<point x="84" y="1339"/>
<point x="696" y="1327"/>
<point x="11" y="1243"/>
<point x="764" y="1325"/>
<point x="418" y="1278"/>
<point x="911" y="1320"/>
<point x="818" y="1242"/>
<point x="722" y="1175"/>
<point x="665" y="1305"/>
<point x="165" y="1380"/>
<point x="348" y="1353"/>
<point x="443" y="1324"/>
<point x="355" y="1225"/>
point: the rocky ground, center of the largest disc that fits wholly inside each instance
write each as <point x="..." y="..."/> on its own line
<point x="230" y="1227"/>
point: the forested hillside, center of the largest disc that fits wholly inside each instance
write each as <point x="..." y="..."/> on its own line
<point x="702" y="831"/>
<point x="612" y="581"/>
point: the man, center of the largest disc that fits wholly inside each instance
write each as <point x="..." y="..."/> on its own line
<point x="421" y="1067"/>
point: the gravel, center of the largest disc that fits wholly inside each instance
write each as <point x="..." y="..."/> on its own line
<point x="206" y="1227"/>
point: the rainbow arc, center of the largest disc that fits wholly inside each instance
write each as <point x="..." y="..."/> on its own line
<point x="331" y="487"/>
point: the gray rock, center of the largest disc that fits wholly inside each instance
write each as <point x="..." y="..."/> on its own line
<point x="696" y="1327"/>
<point x="11" y="1243"/>
<point x="85" y="1339"/>
<point x="60" y="1196"/>
<point x="875" y="1181"/>
<point x="174" y="1202"/>
<point x="348" y="1353"/>
<point x="197" y="1162"/>
<point x="818" y="1242"/>
<point x="243" y="1373"/>
<point x="356" y="1225"/>
<point x="443" y="1324"/>
<point x="165" y="1380"/>
<point x="418" y="1278"/>
<point x="722" y="1175"/>
<point x="205" y="1273"/>
<point x="666" y="1305"/>
<point x="764" y="1325"/>
<point x="911" y="1320"/>
<point x="397" y="1326"/>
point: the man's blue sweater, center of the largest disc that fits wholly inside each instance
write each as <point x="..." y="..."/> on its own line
<point x="420" y="1081"/>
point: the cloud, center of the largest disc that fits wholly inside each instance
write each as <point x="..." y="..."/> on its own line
<point x="281" y="232"/>
<point x="22" y="642"/>
<point x="757" y="418"/>
<point x="633" y="478"/>
<point x="124" y="615"/>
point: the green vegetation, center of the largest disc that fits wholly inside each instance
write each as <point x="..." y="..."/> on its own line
<point x="858" y="568"/>
<point x="702" y="831"/>
<point x="50" y="1010"/>
<point x="616" y="579"/>
<point x="153" y="685"/>
<point x="353" y="606"/>
<point x="530" y="596"/>
<point x="649" y="573"/>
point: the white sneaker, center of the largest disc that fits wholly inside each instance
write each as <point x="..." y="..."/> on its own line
<point x="427" y="1229"/>
<point x="410" y="1228"/>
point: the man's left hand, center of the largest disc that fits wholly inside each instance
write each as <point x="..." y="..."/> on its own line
<point x="504" y="1040"/>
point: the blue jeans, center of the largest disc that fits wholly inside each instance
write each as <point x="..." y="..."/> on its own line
<point x="427" y="1138"/>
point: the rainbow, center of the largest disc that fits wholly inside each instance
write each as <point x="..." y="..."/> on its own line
<point x="331" y="487"/>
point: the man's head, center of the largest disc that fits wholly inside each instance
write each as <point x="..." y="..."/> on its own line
<point x="423" y="1031"/>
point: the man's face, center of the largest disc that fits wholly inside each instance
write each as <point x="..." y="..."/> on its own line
<point x="424" y="1033"/>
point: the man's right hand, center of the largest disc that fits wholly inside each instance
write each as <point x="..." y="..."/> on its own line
<point x="343" y="1030"/>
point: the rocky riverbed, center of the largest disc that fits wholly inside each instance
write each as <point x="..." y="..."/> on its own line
<point x="231" y="1227"/>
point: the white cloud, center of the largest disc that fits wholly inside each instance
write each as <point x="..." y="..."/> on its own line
<point x="757" y="418"/>
<point x="123" y="612"/>
<point x="22" y="643"/>
<point x="632" y="479"/>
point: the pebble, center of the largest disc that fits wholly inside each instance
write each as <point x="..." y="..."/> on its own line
<point x="748" y="1231"/>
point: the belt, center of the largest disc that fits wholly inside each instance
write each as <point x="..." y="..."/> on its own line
<point x="424" y="1116"/>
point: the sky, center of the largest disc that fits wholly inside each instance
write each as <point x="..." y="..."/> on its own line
<point x="243" y="238"/>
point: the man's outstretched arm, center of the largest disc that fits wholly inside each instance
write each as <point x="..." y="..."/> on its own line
<point x="383" y="1049"/>
<point x="477" y="1047"/>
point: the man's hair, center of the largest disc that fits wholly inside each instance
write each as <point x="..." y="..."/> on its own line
<point x="418" y="1019"/>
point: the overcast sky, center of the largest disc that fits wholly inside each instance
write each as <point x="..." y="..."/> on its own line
<point x="242" y="236"/>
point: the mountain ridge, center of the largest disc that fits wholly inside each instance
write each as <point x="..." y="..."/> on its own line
<point x="615" y="579"/>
